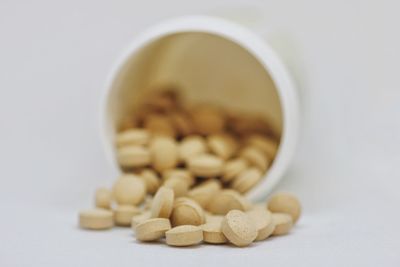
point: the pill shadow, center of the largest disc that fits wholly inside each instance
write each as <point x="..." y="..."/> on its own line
<point x="162" y="242"/>
<point x="252" y="245"/>
<point x="149" y="243"/>
<point x="88" y="230"/>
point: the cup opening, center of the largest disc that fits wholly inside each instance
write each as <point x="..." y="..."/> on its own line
<point x="209" y="61"/>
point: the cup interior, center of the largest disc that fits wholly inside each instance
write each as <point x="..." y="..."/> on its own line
<point x="205" y="68"/>
<point x="209" y="61"/>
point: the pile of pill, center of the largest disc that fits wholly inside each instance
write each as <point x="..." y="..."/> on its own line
<point x="185" y="172"/>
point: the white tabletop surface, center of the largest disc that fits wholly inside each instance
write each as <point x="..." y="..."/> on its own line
<point x="54" y="59"/>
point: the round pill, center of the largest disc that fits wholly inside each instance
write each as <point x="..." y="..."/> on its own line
<point x="132" y="137"/>
<point x="285" y="203"/>
<point x="141" y="217"/>
<point x="129" y="189"/>
<point x="161" y="100"/>
<point x="178" y="185"/>
<point x="204" y="192"/>
<point x="152" y="229"/>
<point x="187" y="212"/>
<point x="238" y="228"/>
<point x="283" y="223"/>
<point x="212" y="233"/>
<point x="267" y="145"/>
<point x="147" y="202"/>
<point x="164" y="153"/>
<point x="180" y="200"/>
<point x="246" y="180"/>
<point x="159" y="125"/>
<point x="163" y="202"/>
<point x="180" y="173"/>
<point x="256" y="157"/>
<point x="205" y="165"/>
<point x="191" y="146"/>
<point x="262" y="219"/>
<point x="96" y="219"/>
<point x="184" y="235"/>
<point x="103" y="198"/>
<point x="151" y="180"/>
<point x="133" y="156"/>
<point x="243" y="125"/>
<point x="233" y="168"/>
<point x="211" y="218"/>
<point x="222" y="145"/>
<point x="182" y="123"/>
<point x="123" y="214"/>
<point x="208" y="120"/>
<point x="226" y="201"/>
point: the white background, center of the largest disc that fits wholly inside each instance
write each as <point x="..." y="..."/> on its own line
<point x="344" y="55"/>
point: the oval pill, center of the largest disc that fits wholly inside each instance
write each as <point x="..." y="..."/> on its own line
<point x="205" y="165"/>
<point x="123" y="214"/>
<point x="212" y="233"/>
<point x="163" y="202"/>
<point x="96" y="219"/>
<point x="285" y="203"/>
<point x="184" y="235"/>
<point x="152" y="229"/>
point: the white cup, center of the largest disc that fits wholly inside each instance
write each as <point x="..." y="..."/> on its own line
<point x="212" y="60"/>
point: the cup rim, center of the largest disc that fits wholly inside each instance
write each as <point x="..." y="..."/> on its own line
<point x="253" y="44"/>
